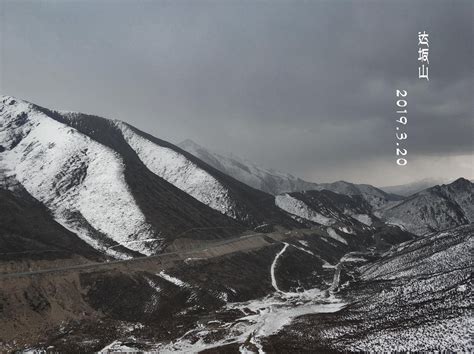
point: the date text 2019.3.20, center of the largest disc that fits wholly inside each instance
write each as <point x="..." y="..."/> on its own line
<point x="402" y="120"/>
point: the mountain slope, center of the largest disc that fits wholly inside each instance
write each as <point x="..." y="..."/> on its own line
<point x="436" y="208"/>
<point x="203" y="182"/>
<point x="328" y="208"/>
<point x="416" y="297"/>
<point x="180" y="171"/>
<point x="29" y="232"/>
<point x="120" y="197"/>
<point x="348" y="219"/>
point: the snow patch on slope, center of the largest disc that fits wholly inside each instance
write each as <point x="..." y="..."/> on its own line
<point x="297" y="207"/>
<point x="363" y="218"/>
<point x="333" y="234"/>
<point x="172" y="280"/>
<point x="179" y="171"/>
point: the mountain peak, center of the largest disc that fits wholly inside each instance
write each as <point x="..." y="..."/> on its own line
<point x="461" y="182"/>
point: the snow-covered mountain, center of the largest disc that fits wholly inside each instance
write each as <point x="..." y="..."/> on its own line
<point x="258" y="177"/>
<point x="436" y="208"/>
<point x="80" y="180"/>
<point x="275" y="182"/>
<point x="121" y="190"/>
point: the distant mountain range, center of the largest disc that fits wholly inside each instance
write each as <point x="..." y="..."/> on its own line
<point x="433" y="209"/>
<point x="276" y="183"/>
<point x="415" y="187"/>
<point x="258" y="177"/>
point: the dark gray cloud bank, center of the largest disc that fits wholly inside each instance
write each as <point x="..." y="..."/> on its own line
<point x="306" y="87"/>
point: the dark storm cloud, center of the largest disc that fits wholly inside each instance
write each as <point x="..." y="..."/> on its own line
<point x="303" y="86"/>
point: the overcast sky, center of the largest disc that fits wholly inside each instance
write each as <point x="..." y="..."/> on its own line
<point x="306" y="87"/>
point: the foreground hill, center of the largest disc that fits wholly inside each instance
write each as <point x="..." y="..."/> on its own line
<point x="416" y="297"/>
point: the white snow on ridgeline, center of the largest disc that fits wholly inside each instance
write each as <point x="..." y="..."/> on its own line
<point x="172" y="280"/>
<point x="70" y="174"/>
<point x="333" y="234"/>
<point x="179" y="171"/>
<point x="299" y="208"/>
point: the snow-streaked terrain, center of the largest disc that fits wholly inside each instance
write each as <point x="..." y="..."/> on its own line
<point x="77" y="178"/>
<point x="363" y="218"/>
<point x="435" y="209"/>
<point x="180" y="171"/>
<point x="299" y="208"/>
<point x="260" y="318"/>
<point x="333" y="234"/>
<point x="415" y="297"/>
<point x="172" y="280"/>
